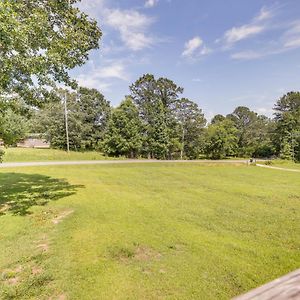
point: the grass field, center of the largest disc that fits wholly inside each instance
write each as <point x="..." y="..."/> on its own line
<point x="31" y="154"/>
<point x="168" y="231"/>
<point x="286" y="164"/>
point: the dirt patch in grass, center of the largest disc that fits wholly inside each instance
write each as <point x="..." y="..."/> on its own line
<point x="12" y="281"/>
<point x="11" y="276"/>
<point x="145" y="254"/>
<point x="140" y="253"/>
<point x="58" y="297"/>
<point x="35" y="270"/>
<point x="62" y="216"/>
<point x="43" y="244"/>
<point x="43" y="247"/>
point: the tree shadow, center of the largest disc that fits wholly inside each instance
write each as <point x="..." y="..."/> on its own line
<point x="19" y="192"/>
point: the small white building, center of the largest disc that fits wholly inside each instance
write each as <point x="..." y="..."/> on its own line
<point x="34" y="141"/>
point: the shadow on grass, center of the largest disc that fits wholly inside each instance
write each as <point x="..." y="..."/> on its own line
<point x="19" y="192"/>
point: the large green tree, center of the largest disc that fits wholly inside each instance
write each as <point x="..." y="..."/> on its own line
<point x="13" y="120"/>
<point x="13" y="127"/>
<point x="253" y="132"/>
<point x="244" y="120"/>
<point x="88" y="114"/>
<point x="124" y="132"/>
<point x="155" y="100"/>
<point x="221" y="140"/>
<point x="40" y="41"/>
<point x="191" y="122"/>
<point x="95" y="111"/>
<point x="287" y="119"/>
<point x="50" y="123"/>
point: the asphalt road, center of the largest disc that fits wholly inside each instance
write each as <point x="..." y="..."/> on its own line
<point x="105" y="162"/>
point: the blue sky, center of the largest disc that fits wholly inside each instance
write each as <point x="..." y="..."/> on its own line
<point x="224" y="53"/>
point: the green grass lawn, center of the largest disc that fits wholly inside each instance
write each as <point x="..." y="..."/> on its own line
<point x="286" y="164"/>
<point x="147" y="231"/>
<point x="32" y="154"/>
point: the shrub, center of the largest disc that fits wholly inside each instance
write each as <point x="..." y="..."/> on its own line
<point x="1" y="155"/>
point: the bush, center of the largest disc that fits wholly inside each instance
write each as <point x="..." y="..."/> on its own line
<point x="268" y="163"/>
<point x="264" y="151"/>
<point x="1" y="155"/>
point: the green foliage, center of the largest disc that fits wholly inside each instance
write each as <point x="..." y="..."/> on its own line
<point x="41" y="40"/>
<point x="171" y="126"/>
<point x="286" y="151"/>
<point x="217" y="118"/>
<point x="88" y="113"/>
<point x="153" y="99"/>
<point x="191" y="123"/>
<point x="264" y="150"/>
<point x="13" y="127"/>
<point x="287" y="118"/>
<point x="124" y="131"/>
<point x="252" y="131"/>
<point x="94" y="113"/>
<point x="2" y="153"/>
<point x="221" y="140"/>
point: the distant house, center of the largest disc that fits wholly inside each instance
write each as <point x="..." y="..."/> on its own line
<point x="34" y="141"/>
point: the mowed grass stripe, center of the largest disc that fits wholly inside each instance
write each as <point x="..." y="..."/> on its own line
<point x="169" y="231"/>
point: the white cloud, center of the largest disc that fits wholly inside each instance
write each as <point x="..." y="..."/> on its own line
<point x="291" y="38"/>
<point x="93" y="82"/>
<point x="205" y="50"/>
<point x="116" y="70"/>
<point x="194" y="48"/>
<point x="133" y="27"/>
<point x="247" y="55"/>
<point x="264" y="111"/>
<point x="191" y="46"/>
<point x="294" y="29"/>
<point x="97" y="77"/>
<point x="256" y="26"/>
<point x="92" y="8"/>
<point x="150" y="3"/>
<point x="236" y="34"/>
<point x="293" y="43"/>
<point x="264" y="14"/>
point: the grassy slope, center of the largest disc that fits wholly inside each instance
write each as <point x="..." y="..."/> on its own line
<point x="30" y="154"/>
<point x="147" y="231"/>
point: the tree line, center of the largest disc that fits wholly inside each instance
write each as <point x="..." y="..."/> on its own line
<point x="155" y="122"/>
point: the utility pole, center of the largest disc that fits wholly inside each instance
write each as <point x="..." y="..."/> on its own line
<point x="66" y="114"/>
<point x="66" y="121"/>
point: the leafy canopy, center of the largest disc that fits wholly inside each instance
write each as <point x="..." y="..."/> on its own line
<point x="40" y="41"/>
